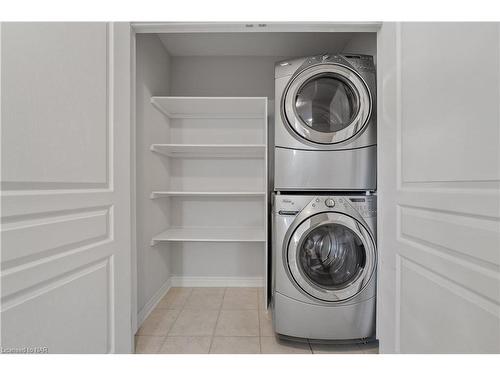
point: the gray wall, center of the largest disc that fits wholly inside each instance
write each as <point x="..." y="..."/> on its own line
<point x="223" y="76"/>
<point x="153" y="263"/>
<point x="365" y="43"/>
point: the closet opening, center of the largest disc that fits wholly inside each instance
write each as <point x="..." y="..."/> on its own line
<point x="204" y="112"/>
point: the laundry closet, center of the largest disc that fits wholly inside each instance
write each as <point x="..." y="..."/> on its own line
<point x="204" y="152"/>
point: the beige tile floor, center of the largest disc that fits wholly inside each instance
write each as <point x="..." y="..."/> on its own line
<point x="222" y="321"/>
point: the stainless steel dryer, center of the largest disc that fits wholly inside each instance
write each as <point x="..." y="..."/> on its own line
<point x="324" y="263"/>
<point x="325" y="127"/>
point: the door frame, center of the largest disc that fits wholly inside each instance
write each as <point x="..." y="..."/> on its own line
<point x="209" y="27"/>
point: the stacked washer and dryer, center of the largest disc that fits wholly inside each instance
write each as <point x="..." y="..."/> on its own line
<point x="324" y="209"/>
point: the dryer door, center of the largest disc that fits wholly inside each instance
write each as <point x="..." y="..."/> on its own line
<point x="331" y="256"/>
<point x="327" y="104"/>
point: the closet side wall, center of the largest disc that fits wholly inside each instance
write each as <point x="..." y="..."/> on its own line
<point x="153" y="263"/>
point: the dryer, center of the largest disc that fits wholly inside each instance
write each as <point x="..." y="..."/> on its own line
<point x="325" y="126"/>
<point x="324" y="266"/>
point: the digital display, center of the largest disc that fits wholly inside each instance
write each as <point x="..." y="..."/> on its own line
<point x="357" y="199"/>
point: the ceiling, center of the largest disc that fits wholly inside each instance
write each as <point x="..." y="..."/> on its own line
<point x="255" y="44"/>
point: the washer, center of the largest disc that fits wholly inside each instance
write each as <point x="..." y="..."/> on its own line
<point x="324" y="260"/>
<point x="325" y="127"/>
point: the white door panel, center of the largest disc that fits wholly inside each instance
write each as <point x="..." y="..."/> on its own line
<point x="54" y="80"/>
<point x="66" y="187"/>
<point x="449" y="99"/>
<point x="439" y="188"/>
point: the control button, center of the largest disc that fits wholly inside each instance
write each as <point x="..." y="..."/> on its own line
<point x="329" y="202"/>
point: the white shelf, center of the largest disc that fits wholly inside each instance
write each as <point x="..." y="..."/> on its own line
<point x="211" y="150"/>
<point x="207" y="234"/>
<point x="210" y="107"/>
<point x="162" y="194"/>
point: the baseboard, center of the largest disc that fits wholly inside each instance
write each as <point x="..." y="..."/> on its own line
<point x="215" y="281"/>
<point x="151" y="304"/>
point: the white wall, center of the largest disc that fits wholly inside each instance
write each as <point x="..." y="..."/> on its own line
<point x="153" y="263"/>
<point x="223" y="76"/>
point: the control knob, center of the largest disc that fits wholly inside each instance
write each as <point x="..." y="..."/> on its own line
<point x="329" y="202"/>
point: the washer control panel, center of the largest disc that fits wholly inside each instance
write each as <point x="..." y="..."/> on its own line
<point x="291" y="205"/>
<point x="365" y="205"/>
<point x="288" y="205"/>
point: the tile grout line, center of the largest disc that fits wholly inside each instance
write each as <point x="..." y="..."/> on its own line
<point x="175" y="320"/>
<point x="310" y="346"/>
<point x="217" y="321"/>
<point x="258" y="318"/>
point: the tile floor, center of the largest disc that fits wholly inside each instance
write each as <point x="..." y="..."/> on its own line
<point x="222" y="321"/>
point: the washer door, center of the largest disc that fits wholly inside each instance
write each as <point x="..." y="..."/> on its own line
<point x="331" y="256"/>
<point x="327" y="104"/>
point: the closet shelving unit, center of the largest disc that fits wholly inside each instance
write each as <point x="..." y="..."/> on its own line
<point x="208" y="150"/>
<point x="220" y="147"/>
<point x="211" y="234"/>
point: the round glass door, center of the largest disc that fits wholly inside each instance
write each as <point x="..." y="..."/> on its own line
<point x="331" y="256"/>
<point x="327" y="104"/>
